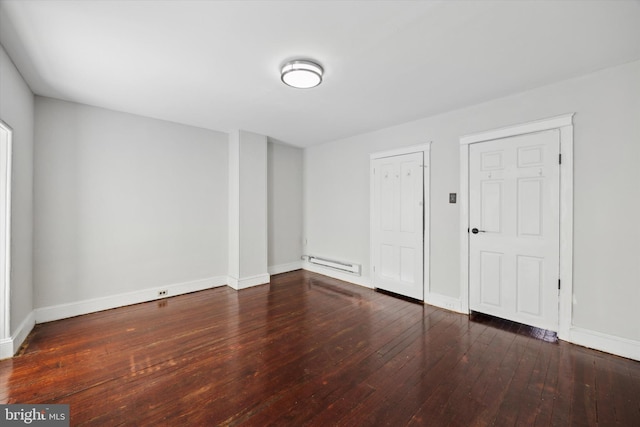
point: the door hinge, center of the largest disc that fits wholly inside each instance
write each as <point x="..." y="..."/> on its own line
<point x="558" y="284"/>
<point x="560" y="158"/>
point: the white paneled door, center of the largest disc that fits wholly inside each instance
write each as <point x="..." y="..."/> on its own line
<point x="514" y="228"/>
<point x="398" y="224"/>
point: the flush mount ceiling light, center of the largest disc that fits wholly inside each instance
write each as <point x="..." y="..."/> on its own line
<point x="301" y="74"/>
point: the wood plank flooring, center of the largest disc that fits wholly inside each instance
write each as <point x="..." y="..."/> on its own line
<point x="310" y="350"/>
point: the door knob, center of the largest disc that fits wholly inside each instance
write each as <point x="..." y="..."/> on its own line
<point x="476" y="231"/>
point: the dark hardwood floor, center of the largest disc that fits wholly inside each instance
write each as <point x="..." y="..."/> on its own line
<point x="310" y="350"/>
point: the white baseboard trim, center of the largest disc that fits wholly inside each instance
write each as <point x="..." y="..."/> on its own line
<point x="6" y="348"/>
<point x="604" y="342"/>
<point x="10" y="346"/>
<point x="285" y="268"/>
<point x="346" y="277"/>
<point x="63" y="311"/>
<point x="23" y="331"/>
<point x="446" y="302"/>
<point x="247" y="282"/>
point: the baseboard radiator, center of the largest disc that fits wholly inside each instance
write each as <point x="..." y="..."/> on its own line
<point x="337" y="265"/>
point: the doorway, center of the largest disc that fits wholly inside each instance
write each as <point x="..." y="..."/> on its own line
<point x="516" y="188"/>
<point x="5" y="229"/>
<point x="399" y="218"/>
<point x="514" y="219"/>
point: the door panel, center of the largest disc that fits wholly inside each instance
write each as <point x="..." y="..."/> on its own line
<point x="530" y="204"/>
<point x="491" y="209"/>
<point x="514" y="204"/>
<point x="408" y="184"/>
<point x="407" y="265"/>
<point x="529" y="284"/>
<point x="491" y="278"/>
<point x="397" y="224"/>
<point x="387" y="197"/>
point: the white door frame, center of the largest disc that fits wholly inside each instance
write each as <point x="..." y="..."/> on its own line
<point x="425" y="149"/>
<point x="564" y="124"/>
<point x="5" y="223"/>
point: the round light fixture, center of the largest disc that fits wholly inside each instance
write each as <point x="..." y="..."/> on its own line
<point x="301" y="74"/>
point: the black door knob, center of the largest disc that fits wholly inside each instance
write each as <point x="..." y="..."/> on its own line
<point x="476" y="231"/>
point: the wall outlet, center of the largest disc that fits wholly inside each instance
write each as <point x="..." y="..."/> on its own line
<point x="163" y="293"/>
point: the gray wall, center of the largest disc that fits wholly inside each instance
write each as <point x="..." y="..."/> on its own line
<point x="253" y="204"/>
<point x="17" y="110"/>
<point x="284" y="188"/>
<point x="606" y="190"/>
<point x="124" y="203"/>
<point x="248" y="227"/>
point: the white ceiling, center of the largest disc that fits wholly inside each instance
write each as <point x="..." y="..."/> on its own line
<point x="215" y="64"/>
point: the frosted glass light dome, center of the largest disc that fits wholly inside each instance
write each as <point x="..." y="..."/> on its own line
<point x="301" y="74"/>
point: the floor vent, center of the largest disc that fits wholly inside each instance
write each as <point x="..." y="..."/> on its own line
<point x="337" y="265"/>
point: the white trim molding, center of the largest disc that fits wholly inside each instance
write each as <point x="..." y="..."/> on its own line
<point x="6" y="348"/>
<point x="10" y="346"/>
<point x="445" y="302"/>
<point x="285" y="268"/>
<point x="520" y="129"/>
<point x="249" y="281"/>
<point x="335" y="274"/>
<point x="564" y="123"/>
<point x="426" y="147"/>
<point x="6" y="142"/>
<point x="604" y="342"/>
<point x="63" y="311"/>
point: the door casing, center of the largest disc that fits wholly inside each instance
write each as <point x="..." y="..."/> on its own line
<point x="425" y="149"/>
<point x="564" y="124"/>
<point x="5" y="223"/>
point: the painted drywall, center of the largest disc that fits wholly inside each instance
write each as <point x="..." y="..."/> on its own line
<point x="253" y="204"/>
<point x="606" y="190"/>
<point x="284" y="191"/>
<point x="233" y="226"/>
<point x="124" y="203"/>
<point x="17" y="110"/>
<point x="247" y="209"/>
<point x="336" y="195"/>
